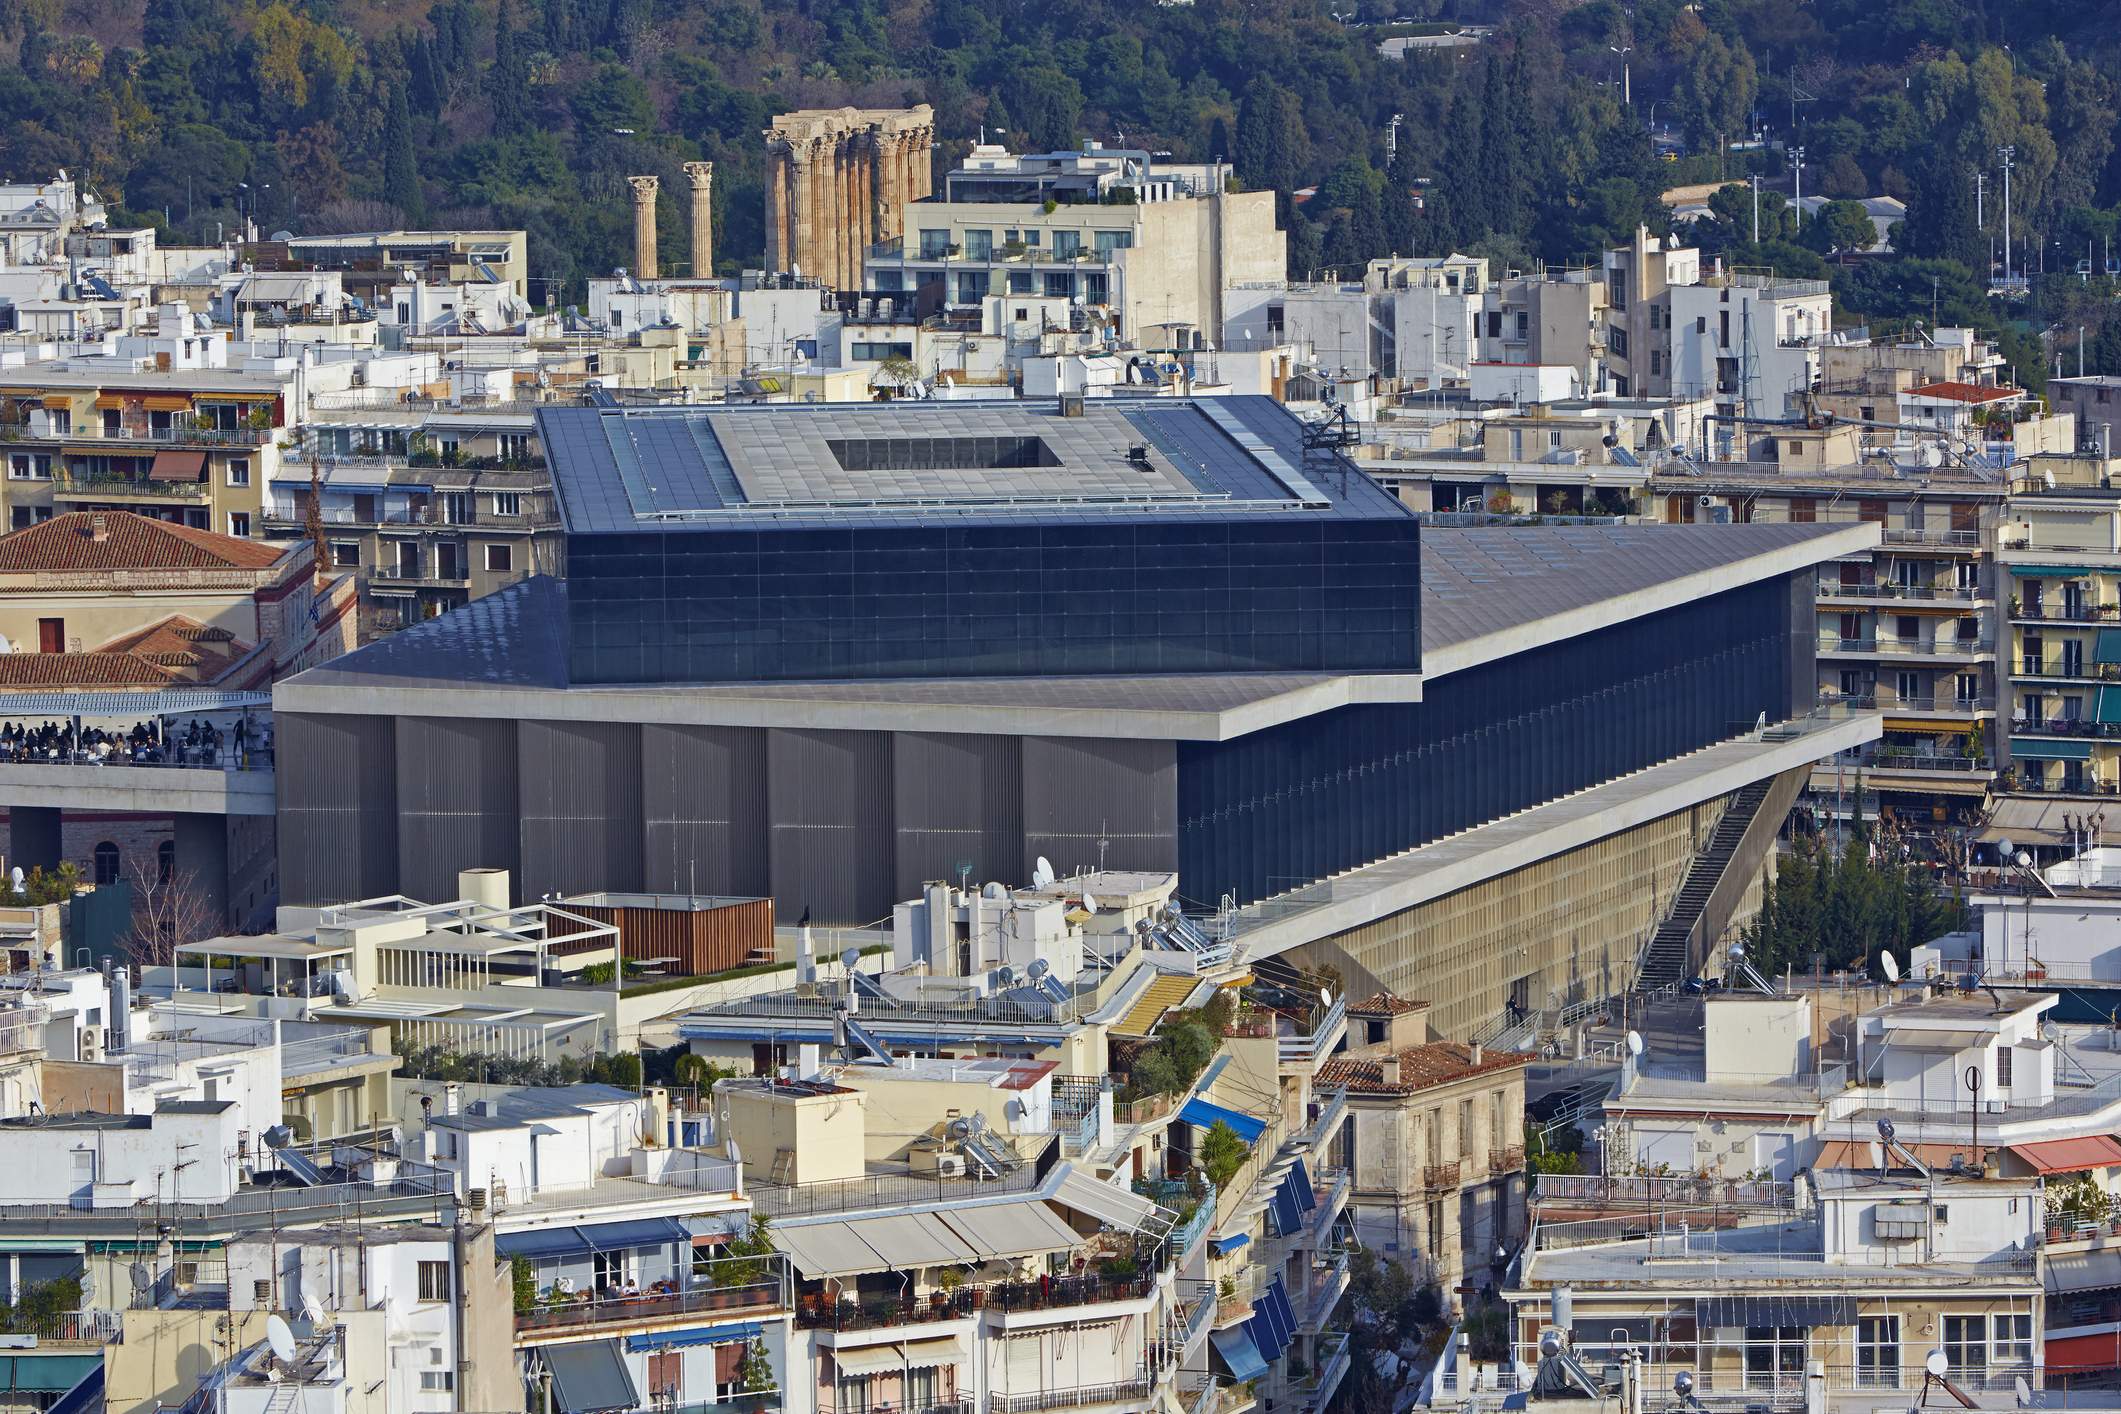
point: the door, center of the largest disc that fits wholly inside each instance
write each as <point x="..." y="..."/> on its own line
<point x="51" y="635"/>
<point x="1775" y="1154"/>
<point x="666" y="1379"/>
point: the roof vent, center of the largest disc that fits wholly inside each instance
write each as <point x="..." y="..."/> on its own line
<point x="99" y="527"/>
<point x="1388" y="1070"/>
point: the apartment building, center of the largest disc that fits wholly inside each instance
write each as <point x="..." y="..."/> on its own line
<point x="2061" y="550"/>
<point x="1435" y="1143"/>
<point x="1748" y="339"/>
<point x="1157" y="245"/>
<point x="374" y="262"/>
<point x="2094" y="401"/>
<point x="1639" y="280"/>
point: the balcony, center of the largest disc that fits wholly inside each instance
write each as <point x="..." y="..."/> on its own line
<point x="1322" y="1292"/>
<point x="814" y="1312"/>
<point x="1885" y="591"/>
<point x="1834" y="643"/>
<point x="1302" y="1046"/>
<point x="75" y="483"/>
<point x="2068" y="727"/>
<point x="1134" y="1391"/>
<point x="168" y="436"/>
<point x="2059" y="785"/>
<point x="1316" y="1389"/>
<point x="1325" y="1121"/>
<point x="1507" y="1160"/>
<point x="386" y="579"/>
<point x="1910" y="704"/>
<point x="1440" y="1178"/>
<point x="2045" y="613"/>
<point x="572" y="1319"/>
<point x="1943" y="539"/>
<point x="2065" y="668"/>
<point x="1897" y="762"/>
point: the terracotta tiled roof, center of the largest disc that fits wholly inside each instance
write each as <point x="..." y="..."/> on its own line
<point x="1963" y="392"/>
<point x="1385" y="1004"/>
<point x="70" y="670"/>
<point x="130" y="542"/>
<point x="1437" y="1063"/>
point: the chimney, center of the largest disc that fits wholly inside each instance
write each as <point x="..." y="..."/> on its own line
<point x="701" y="175"/>
<point x="1473" y="1055"/>
<point x="1388" y="1070"/>
<point x="452" y="1097"/>
<point x="643" y="226"/>
<point x="99" y="527"/>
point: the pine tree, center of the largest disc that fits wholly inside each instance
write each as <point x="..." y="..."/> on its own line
<point x="509" y="77"/>
<point x="401" y="173"/>
<point x="1940" y="214"/>
<point x="1396" y="212"/>
<point x="1466" y="213"/>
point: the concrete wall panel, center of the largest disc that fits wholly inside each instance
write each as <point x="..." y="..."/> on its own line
<point x="956" y="799"/>
<point x="703" y="793"/>
<point x="1078" y="791"/>
<point x="829" y="797"/>
<point x="580" y="785"/>
<point x="338" y="788"/>
<point x="456" y="803"/>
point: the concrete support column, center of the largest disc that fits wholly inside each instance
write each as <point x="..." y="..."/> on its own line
<point x="643" y="225"/>
<point x="202" y="862"/>
<point x="33" y="837"/>
<point x="701" y="176"/>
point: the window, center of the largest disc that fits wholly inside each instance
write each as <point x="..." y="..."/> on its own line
<point x="1656" y="361"/>
<point x="508" y="503"/>
<point x="106" y="862"/>
<point x="500" y="559"/>
<point x="1066" y="244"/>
<point x="979" y="245"/>
<point x="1966" y="688"/>
<point x="1967" y="575"/>
<point x="2011" y="1339"/>
<point x="935" y="244"/>
<point x="2033" y="708"/>
<point x="1774" y="1356"/>
<point x="2073" y="658"/>
<point x="29" y="466"/>
<point x="239" y="471"/>
<point x="239" y="523"/>
<point x="345" y="554"/>
<point x="437" y="1381"/>
<point x="1877" y="1352"/>
<point x="1109" y="241"/>
<point x="165" y="861"/>
<point x="607" y="1269"/>
<point x="434" y="1281"/>
<point x="2072" y="710"/>
<point x="2003" y="1053"/>
<point x="1465" y="1128"/>
<point x="455" y="507"/>
<point x="1907" y="687"/>
<point x="1964" y="1349"/>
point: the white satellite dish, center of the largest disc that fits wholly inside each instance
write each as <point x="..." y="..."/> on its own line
<point x="1937" y="1365"/>
<point x="314" y="1309"/>
<point x="1090" y="903"/>
<point x="2025" y="1391"/>
<point x="1634" y="1043"/>
<point x="1042" y="873"/>
<point x="1325" y="998"/>
<point x="1889" y="967"/>
<point x="1877" y="1156"/>
<point x="280" y="1338"/>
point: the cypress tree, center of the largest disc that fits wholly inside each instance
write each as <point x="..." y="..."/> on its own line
<point x="509" y="77"/>
<point x="401" y="173"/>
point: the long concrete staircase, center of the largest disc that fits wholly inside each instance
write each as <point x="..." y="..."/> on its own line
<point x="1669" y="956"/>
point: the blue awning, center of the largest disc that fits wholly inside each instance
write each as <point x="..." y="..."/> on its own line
<point x="2106" y="648"/>
<point x="1239" y="1353"/>
<point x="1206" y="1115"/>
<point x="641" y="1232"/>
<point x="30" y="1373"/>
<point x="698" y="1335"/>
<point x="1300" y="1180"/>
<point x="542" y="1242"/>
<point x="1224" y="1246"/>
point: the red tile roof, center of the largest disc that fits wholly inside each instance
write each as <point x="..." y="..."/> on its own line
<point x="1385" y="1004"/>
<point x="1964" y="392"/>
<point x="76" y="670"/>
<point x="130" y="542"/>
<point x="1437" y="1063"/>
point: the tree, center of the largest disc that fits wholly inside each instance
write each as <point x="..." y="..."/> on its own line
<point x="1841" y="226"/>
<point x="1716" y="90"/>
<point x="1396" y="211"/>
<point x="168" y="911"/>
<point x="1222" y="1154"/>
<point x="401" y="173"/>
<point x="509" y="78"/>
<point x="1940" y="215"/>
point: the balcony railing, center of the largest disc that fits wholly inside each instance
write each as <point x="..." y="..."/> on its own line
<point x="1594" y="1191"/>
<point x="1911" y="647"/>
<point x="1440" y="1178"/>
<point x="764" y="1294"/>
<point x="1909" y="702"/>
<point x="1889" y="760"/>
<point x="2065" y="668"/>
<point x="450" y="576"/>
<point x="2062" y="785"/>
<point x="1304" y="1047"/>
<point x="2066" y="726"/>
<point x="814" y="1312"/>
<point x="1957" y="538"/>
<point x="1886" y="589"/>
<point x="74" y="483"/>
<point x="2066" y="613"/>
<point x="1507" y="1160"/>
<point x="170" y="436"/>
<point x="1074" y="1397"/>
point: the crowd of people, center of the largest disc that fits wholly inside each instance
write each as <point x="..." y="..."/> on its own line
<point x="149" y="743"/>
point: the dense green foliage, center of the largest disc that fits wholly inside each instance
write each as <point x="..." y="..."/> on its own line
<point x="1850" y="908"/>
<point x="350" y="114"/>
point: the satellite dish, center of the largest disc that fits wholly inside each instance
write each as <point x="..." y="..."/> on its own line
<point x="1877" y="1156"/>
<point x="314" y="1309"/>
<point x="1634" y="1043"/>
<point x="2025" y="1391"/>
<point x="282" y="1340"/>
<point x="1090" y="903"/>
<point x="1936" y="1364"/>
<point x="1325" y="998"/>
<point x="1889" y="967"/>
<point x="1550" y="1343"/>
<point x="143" y="1277"/>
<point x="1042" y="873"/>
<point x="850" y="957"/>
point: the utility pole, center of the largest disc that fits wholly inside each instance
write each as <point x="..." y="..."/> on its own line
<point x="1797" y="200"/>
<point x="1980" y="190"/>
<point x="2007" y="152"/>
<point x="1756" y="208"/>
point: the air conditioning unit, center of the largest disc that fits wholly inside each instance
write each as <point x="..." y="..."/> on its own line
<point x="89" y="1045"/>
<point x="949" y="1165"/>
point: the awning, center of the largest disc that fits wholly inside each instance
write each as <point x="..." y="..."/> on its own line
<point x="1205" y="1114"/>
<point x="2094" y="1270"/>
<point x="1116" y="1206"/>
<point x="868" y="1360"/>
<point x="541" y="1242"/>
<point x="2094" y="1151"/>
<point x="1224" y="1246"/>
<point x="177" y="466"/>
<point x="1809" y="1311"/>
<point x="2026" y="750"/>
<point x="2027" y="821"/>
<point x="821" y="1250"/>
<point x="590" y="1376"/>
<point x="924" y="1354"/>
<point x="2045" y="572"/>
<point x="162" y="402"/>
<point x="1273" y="1320"/>
<point x="2107" y="648"/>
<point x="110" y="402"/>
<point x="46" y="1374"/>
<point x="1024" y="1229"/>
<point x="58" y="400"/>
<point x="1930" y="726"/>
<point x="698" y="1335"/>
<point x="906" y="1240"/>
<point x="1239" y="1353"/>
<point x="641" y="1232"/>
<point x="1938" y="1039"/>
<point x="255" y="396"/>
<point x="2107" y="705"/>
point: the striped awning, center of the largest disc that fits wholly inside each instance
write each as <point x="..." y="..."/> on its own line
<point x="1791" y="1310"/>
<point x="2028" y="750"/>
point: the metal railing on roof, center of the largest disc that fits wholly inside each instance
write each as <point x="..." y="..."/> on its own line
<point x="895" y="1190"/>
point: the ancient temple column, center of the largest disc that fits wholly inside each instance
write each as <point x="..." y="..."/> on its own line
<point x="776" y="208"/>
<point x="810" y="237"/>
<point x="891" y="185"/>
<point x="643" y="226"/>
<point x="701" y="175"/>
